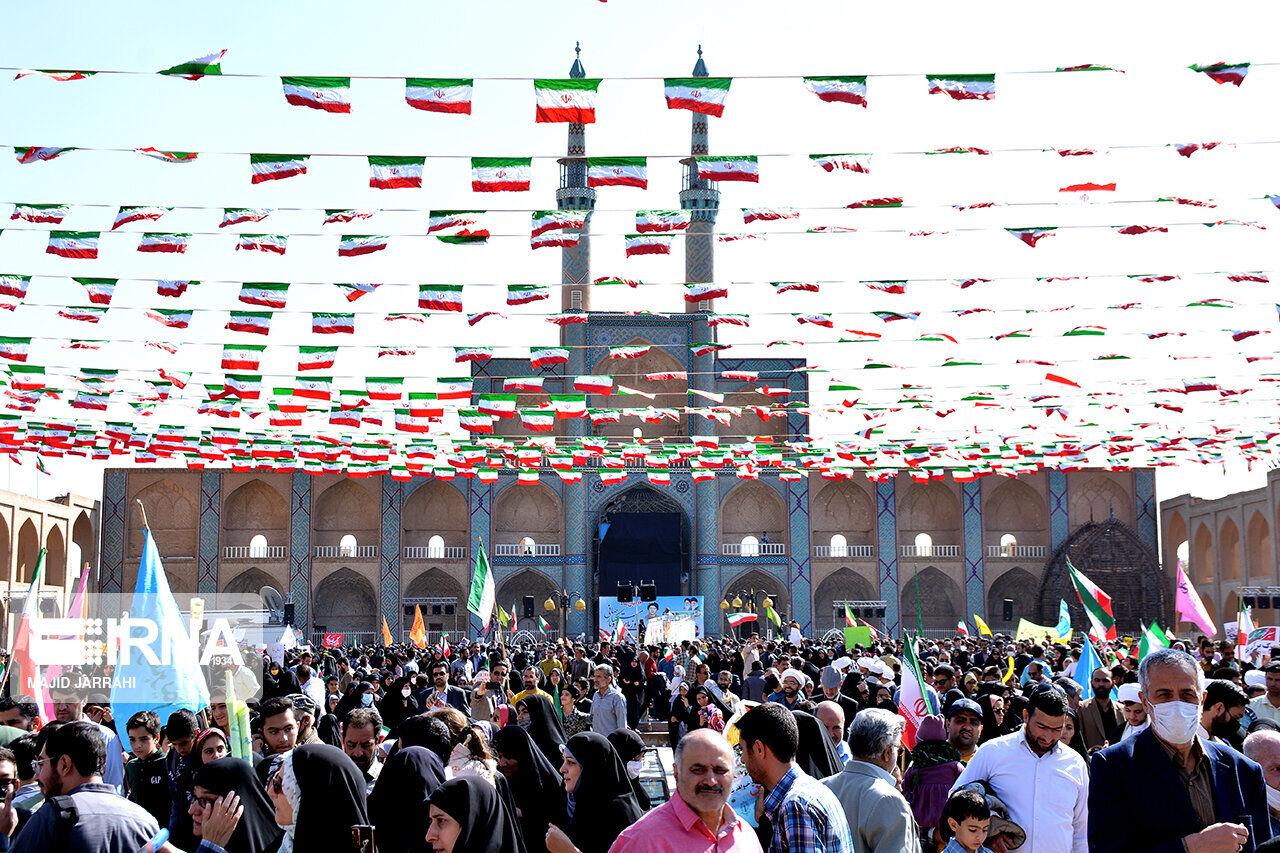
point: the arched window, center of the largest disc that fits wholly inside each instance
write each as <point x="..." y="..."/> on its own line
<point x="527" y="546"/>
<point x="839" y="546"/>
<point x="1008" y="545"/>
<point x="258" y="546"/>
<point x="75" y="560"/>
<point x="347" y="546"/>
<point x="750" y="546"/>
<point x="435" y="547"/>
<point x="1184" y="553"/>
<point x="924" y="545"/>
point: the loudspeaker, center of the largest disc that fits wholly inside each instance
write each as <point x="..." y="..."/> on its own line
<point x="528" y="607"/>
<point x="1275" y="602"/>
<point x="1250" y="601"/>
<point x="648" y="592"/>
<point x="880" y="612"/>
<point x="1008" y="610"/>
<point x="625" y="592"/>
<point x="408" y="611"/>
<point x="289" y="613"/>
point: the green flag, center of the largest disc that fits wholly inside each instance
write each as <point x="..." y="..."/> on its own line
<point x="482" y="599"/>
<point x="1153" y="638"/>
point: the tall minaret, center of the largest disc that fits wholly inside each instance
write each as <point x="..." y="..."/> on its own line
<point x="574" y="194"/>
<point x="703" y="200"/>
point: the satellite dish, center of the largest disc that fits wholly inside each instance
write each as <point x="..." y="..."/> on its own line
<point x="273" y="602"/>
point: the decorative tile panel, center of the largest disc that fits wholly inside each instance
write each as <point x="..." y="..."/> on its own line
<point x="974" y="570"/>
<point x="887" y="547"/>
<point x="389" y="569"/>
<point x="210" y="522"/>
<point x="1059" y="520"/>
<point x="114" y="496"/>
<point x="300" y="549"/>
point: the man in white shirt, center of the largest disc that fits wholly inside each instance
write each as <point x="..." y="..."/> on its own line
<point x="1044" y="783"/>
<point x="1267" y="706"/>
<point x="310" y="684"/>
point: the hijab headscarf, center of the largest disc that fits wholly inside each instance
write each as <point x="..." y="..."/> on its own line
<point x="990" y="728"/>
<point x="536" y="786"/>
<point x="327" y="792"/>
<point x="603" y="802"/>
<point x="816" y="754"/>
<point x="544" y="726"/>
<point x="396" y="804"/>
<point x="351" y="699"/>
<point x="328" y="731"/>
<point x="487" y="826"/>
<point x="506" y="715"/>
<point x="195" y="759"/>
<point x="257" y="831"/>
<point x="630" y="748"/>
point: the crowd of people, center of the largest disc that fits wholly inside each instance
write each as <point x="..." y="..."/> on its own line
<point x="488" y="748"/>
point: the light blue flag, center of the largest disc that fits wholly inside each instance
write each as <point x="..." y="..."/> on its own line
<point x="1089" y="661"/>
<point x="1064" y="619"/>
<point x="175" y="680"/>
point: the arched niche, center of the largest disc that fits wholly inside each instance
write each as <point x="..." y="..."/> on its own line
<point x="527" y="582"/>
<point x="435" y="508"/>
<point x="632" y="372"/>
<point x="846" y="509"/>
<point x="929" y="508"/>
<point x="256" y="508"/>
<point x="1229" y="551"/>
<point x="533" y="511"/>
<point x="941" y="601"/>
<point x="345" y="603"/>
<point x="1019" y="586"/>
<point x="28" y="551"/>
<point x="1018" y="510"/>
<point x="172" y="515"/>
<point x="346" y="508"/>
<point x="1258" y="547"/>
<point x="55" y="558"/>
<point x="844" y="584"/>
<point x="752" y="508"/>
<point x="1100" y="499"/>
<point x="1202" y="556"/>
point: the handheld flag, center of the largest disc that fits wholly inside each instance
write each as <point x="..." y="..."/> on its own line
<point x="982" y="626"/>
<point x="26" y="680"/>
<point x="1063" y="628"/>
<point x="543" y="627"/>
<point x="1096" y="603"/>
<point x="1089" y="661"/>
<point x="418" y="633"/>
<point x="962" y="629"/>
<point x="848" y="617"/>
<point x="1244" y="626"/>
<point x="386" y="633"/>
<point x="773" y="616"/>
<point x="1152" y="638"/>
<point x="913" y="699"/>
<point x="483" y="597"/>
<point x="1189" y="607"/>
<point x="736" y="619"/>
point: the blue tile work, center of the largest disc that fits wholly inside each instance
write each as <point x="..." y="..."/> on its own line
<point x="577" y="546"/>
<point x="706" y="580"/>
<point x="111" y="570"/>
<point x="1059" y="520"/>
<point x="974" y="579"/>
<point x="300" y="549"/>
<point x="1144" y="493"/>
<point x="389" y="570"/>
<point x="799" y="580"/>
<point x="887" y="547"/>
<point x="210" y="516"/>
<point x="480" y="503"/>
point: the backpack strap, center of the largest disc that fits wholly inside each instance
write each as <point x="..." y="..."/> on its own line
<point x="67" y="817"/>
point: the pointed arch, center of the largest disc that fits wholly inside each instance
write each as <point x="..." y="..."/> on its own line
<point x="1016" y="509"/>
<point x="533" y="511"/>
<point x="171" y="512"/>
<point x="346" y="508"/>
<point x="435" y="583"/>
<point x="525" y="582"/>
<point x="1230" y="608"/>
<point x="631" y="372"/>
<point x="941" y="600"/>
<point x="82" y="535"/>
<point x="764" y="584"/>
<point x="345" y="603"/>
<point x="1114" y="558"/>
<point x="28" y="551"/>
<point x="255" y="508"/>
<point x="1019" y="586"/>
<point x="251" y="581"/>
<point x="1100" y="499"/>
<point x="1202" y="556"/>
<point x="844" y="584"/>
<point x="929" y="508"/>
<point x="55" y="558"/>
<point x="1229" y="551"/>
<point x="5" y="544"/>
<point x="435" y="508"/>
<point x="751" y="508"/>
<point x="1258" y="547"/>
<point x="846" y="509"/>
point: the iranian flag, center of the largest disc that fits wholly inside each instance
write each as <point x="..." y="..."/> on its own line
<point x="138" y="213"/>
<point x="172" y="288"/>
<point x="848" y="617"/>
<point x="523" y="294"/>
<point x="25" y="154"/>
<point x="699" y="94"/>
<point x="473" y="421"/>
<point x="557" y="220"/>
<point x="440" y="297"/>
<point x="860" y="163"/>
<point x="537" y="420"/>
<point x="44" y="213"/>
<point x="741" y="168"/>
<point x="649" y="221"/>
<point x="385" y="389"/>
<point x="566" y="100"/>
<point x="628" y="352"/>
<point x="311" y="358"/>
<point x="501" y="174"/>
<point x="1224" y="72"/>
<point x="962" y="629"/>
<point x="353" y="291"/>
<point x="594" y="384"/>
<point x="267" y="294"/>
<point x="343" y="215"/>
<point x="208" y="65"/>
<point x="472" y="353"/>
<point x="168" y="156"/>
<point x="648" y="244"/>
<point x="331" y="323"/>
<point x="1097" y="605"/>
<point x="789" y="286"/>
<point x="542" y="356"/>
<point x="24" y="675"/>
<point x="241" y="356"/>
<point x="14" y="349"/>
<point x="312" y="387"/>
<point x="700" y="290"/>
<point x="846" y="90"/>
<point x="59" y="76"/>
<point x="768" y="214"/>
<point x="277" y="167"/>
<point x="561" y="240"/>
<point x="568" y="406"/>
<point x="73" y="244"/>
<point x="395" y="173"/>
<point x="1244" y="627"/>
<point x="913" y="701"/>
<point x="353" y="245"/>
<point x="274" y="244"/>
<point x="963" y="87"/>
<point x="15" y="286"/>
<point x="330" y="94"/>
<point x="437" y="95"/>
<point x="246" y="387"/>
<point x="448" y="220"/>
<point x="736" y="619"/>
<point x="100" y="290"/>
<point x="498" y="405"/>
<point x="454" y="389"/>
<point x="169" y="243"/>
<point x="618" y="172"/>
<point x="1031" y="236"/>
<point x="253" y="322"/>
<point x="241" y="215"/>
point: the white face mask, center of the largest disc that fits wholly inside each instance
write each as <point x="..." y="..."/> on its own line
<point x="1273" y="799"/>
<point x="1175" y="722"/>
<point x="405" y="692"/>
<point x="633" y="769"/>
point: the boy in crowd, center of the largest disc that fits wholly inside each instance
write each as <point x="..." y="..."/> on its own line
<point x="147" y="772"/>
<point x="969" y="819"/>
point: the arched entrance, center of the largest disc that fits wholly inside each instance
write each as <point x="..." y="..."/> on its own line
<point x="533" y="584"/>
<point x="841" y="586"/>
<point x="1114" y="558"/>
<point x="441" y="601"/>
<point x="752" y="588"/>
<point x="642" y="535"/>
<point x="940" y="605"/>
<point x="345" y="604"/>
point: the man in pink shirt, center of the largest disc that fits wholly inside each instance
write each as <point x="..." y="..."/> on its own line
<point x="698" y="819"/>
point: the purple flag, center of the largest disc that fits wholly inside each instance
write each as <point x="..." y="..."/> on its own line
<point x="1189" y="607"/>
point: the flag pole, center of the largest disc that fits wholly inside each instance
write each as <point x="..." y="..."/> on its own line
<point x="142" y="509"/>
<point x="918" y="617"/>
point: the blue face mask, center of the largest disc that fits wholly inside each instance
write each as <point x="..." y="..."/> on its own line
<point x="366" y="699"/>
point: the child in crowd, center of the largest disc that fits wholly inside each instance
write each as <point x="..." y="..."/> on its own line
<point x="146" y="773"/>
<point x="969" y="819"/>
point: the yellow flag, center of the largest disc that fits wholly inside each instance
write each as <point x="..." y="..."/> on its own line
<point x="1008" y="676"/>
<point x="418" y="634"/>
<point x="386" y="633"/>
<point x="982" y="626"/>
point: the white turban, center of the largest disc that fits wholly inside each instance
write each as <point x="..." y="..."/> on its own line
<point x="796" y="674"/>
